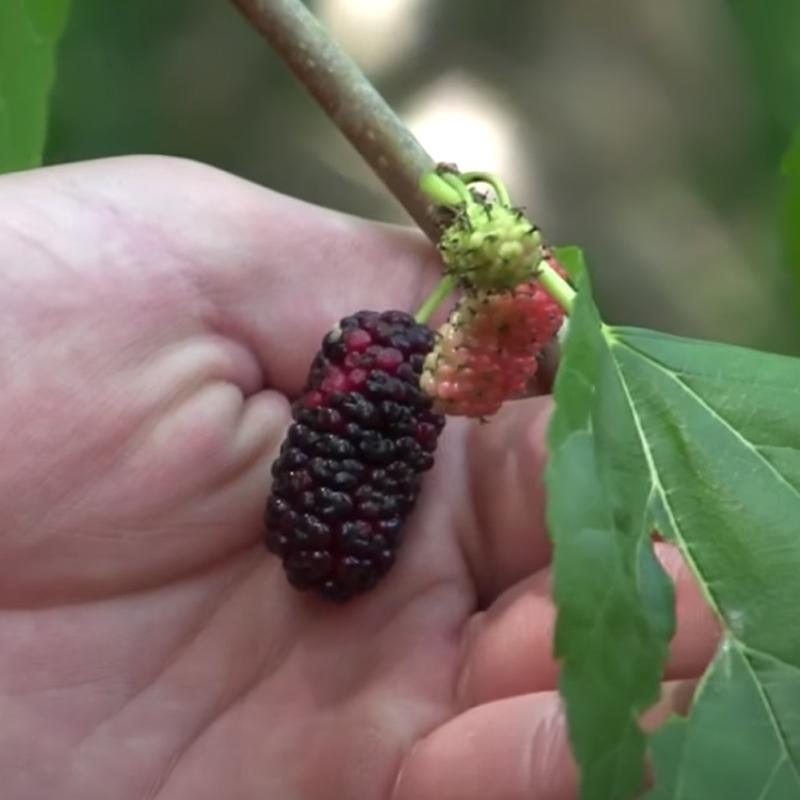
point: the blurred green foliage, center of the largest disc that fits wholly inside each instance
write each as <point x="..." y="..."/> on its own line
<point x="650" y="133"/>
<point x="185" y="78"/>
<point x="769" y="35"/>
<point x="790" y="218"/>
<point x="29" y="33"/>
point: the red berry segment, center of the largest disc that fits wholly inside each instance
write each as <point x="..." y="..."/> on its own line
<point x="351" y="466"/>
<point x="489" y="349"/>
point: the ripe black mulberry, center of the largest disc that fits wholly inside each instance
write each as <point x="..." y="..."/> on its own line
<point x="351" y="466"/>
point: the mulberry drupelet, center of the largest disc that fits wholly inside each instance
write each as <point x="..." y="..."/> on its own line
<point x="351" y="467"/>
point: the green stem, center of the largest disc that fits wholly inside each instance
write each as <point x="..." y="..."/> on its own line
<point x="455" y="182"/>
<point x="440" y="191"/>
<point x="555" y="286"/>
<point x="493" y="181"/>
<point x="446" y="285"/>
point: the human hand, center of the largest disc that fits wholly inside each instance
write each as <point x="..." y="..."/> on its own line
<point x="155" y="315"/>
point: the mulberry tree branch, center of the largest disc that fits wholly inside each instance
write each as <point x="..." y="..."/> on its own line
<point x="350" y="100"/>
<point x="362" y="115"/>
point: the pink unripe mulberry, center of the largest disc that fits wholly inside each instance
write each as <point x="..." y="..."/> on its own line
<point x="488" y="349"/>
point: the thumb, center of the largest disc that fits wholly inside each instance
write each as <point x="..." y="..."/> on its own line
<point x="516" y="749"/>
<point x="507" y="458"/>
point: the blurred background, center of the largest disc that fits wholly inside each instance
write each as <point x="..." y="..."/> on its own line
<point x="650" y="132"/>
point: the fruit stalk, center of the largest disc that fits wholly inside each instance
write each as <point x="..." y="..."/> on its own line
<point x="555" y="286"/>
<point x="437" y="297"/>
<point x="350" y="100"/>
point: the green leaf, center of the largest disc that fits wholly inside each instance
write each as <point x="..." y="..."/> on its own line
<point x="731" y="745"/>
<point x="29" y="34"/>
<point x="667" y="750"/>
<point x="613" y="653"/>
<point x="571" y="258"/>
<point x="577" y="370"/>
<point x="615" y="603"/>
<point x="703" y="441"/>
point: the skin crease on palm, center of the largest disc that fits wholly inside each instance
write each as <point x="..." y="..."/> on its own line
<point x="155" y="315"/>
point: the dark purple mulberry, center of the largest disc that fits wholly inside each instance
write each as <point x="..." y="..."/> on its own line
<point x="351" y="466"/>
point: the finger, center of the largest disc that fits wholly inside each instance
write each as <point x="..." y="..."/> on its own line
<point x="512" y="749"/>
<point x="508" y="649"/>
<point x="507" y="458"/>
<point x="262" y="269"/>
<point x="309" y="267"/>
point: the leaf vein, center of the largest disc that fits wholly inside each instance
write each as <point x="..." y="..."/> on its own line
<point x="699" y="400"/>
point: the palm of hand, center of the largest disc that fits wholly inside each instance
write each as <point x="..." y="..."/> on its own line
<point x="148" y="645"/>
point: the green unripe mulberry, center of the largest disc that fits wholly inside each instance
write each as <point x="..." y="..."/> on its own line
<point x="492" y="247"/>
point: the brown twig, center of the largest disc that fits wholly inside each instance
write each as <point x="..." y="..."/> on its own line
<point x="354" y="105"/>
